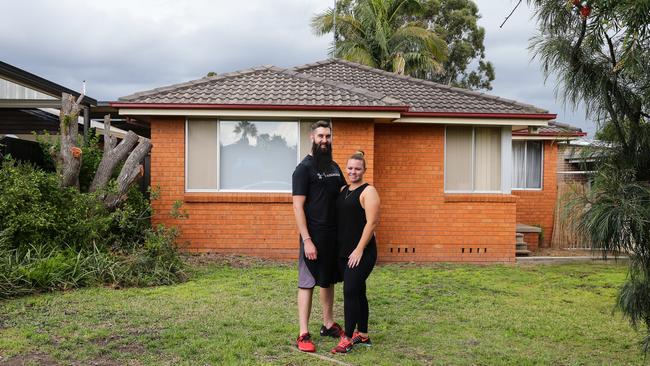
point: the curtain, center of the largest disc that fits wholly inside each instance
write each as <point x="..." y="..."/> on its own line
<point x="305" y="141"/>
<point x="534" y="164"/>
<point x="458" y="158"/>
<point x="487" y="159"/>
<point x="519" y="164"/>
<point x="201" y="157"/>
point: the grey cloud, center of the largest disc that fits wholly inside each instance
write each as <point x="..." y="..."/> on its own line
<point x="123" y="46"/>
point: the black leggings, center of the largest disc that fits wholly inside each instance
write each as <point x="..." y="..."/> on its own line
<point x="355" y="305"/>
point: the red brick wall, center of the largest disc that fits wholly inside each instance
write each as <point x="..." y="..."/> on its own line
<point x="405" y="163"/>
<point x="537" y="207"/>
<point x="419" y="222"/>
<point x="243" y="223"/>
<point x="351" y="135"/>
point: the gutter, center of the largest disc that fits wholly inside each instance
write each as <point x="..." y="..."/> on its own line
<point x="546" y="116"/>
<point x="551" y="134"/>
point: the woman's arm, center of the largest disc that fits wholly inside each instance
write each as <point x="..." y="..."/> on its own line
<point x="369" y="200"/>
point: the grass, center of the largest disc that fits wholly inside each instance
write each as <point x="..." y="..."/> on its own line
<point x="230" y="313"/>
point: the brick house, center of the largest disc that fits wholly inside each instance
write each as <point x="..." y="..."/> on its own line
<point x="440" y="157"/>
<point x="537" y="169"/>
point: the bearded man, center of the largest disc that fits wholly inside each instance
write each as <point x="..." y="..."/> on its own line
<point x="316" y="183"/>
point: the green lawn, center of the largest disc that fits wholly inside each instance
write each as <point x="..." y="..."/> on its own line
<point x="230" y="313"/>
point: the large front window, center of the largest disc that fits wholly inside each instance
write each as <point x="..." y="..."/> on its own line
<point x="244" y="155"/>
<point x="472" y="159"/>
<point x="527" y="164"/>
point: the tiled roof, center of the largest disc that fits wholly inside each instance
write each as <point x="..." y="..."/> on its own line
<point x="553" y="129"/>
<point x="421" y="95"/>
<point x="266" y="85"/>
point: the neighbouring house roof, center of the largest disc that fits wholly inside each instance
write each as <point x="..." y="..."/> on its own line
<point x="331" y="83"/>
<point x="29" y="80"/>
<point x="554" y="129"/>
<point x="267" y="85"/>
<point x="24" y="121"/>
<point x="585" y="150"/>
<point x="422" y="96"/>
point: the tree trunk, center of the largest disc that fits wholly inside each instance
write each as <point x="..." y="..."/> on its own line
<point x="131" y="170"/>
<point x="113" y="155"/>
<point x="69" y="161"/>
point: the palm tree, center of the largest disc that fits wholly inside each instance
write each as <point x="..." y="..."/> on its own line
<point x="376" y="33"/>
<point x="245" y="128"/>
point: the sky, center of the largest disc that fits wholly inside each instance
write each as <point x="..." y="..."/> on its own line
<point x="120" y="47"/>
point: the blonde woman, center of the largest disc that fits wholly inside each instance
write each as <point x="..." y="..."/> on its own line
<point x="357" y="208"/>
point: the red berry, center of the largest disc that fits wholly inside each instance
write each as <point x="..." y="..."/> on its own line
<point x="576" y="2"/>
<point x="585" y="11"/>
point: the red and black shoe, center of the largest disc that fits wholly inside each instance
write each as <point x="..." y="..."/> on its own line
<point x="305" y="344"/>
<point x="344" y="346"/>
<point x="357" y="338"/>
<point x="335" y="331"/>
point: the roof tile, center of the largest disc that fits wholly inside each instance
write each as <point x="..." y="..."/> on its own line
<point x="264" y="85"/>
<point x="421" y="95"/>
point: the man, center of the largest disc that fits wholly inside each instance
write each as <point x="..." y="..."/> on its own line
<point x="316" y="183"/>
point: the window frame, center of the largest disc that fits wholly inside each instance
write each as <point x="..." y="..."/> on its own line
<point x="473" y="161"/>
<point x="299" y="153"/>
<point x="541" y="165"/>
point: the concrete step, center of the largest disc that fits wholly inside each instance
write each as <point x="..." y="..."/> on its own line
<point x="522" y="252"/>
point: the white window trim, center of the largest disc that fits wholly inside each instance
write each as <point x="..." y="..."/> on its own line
<point x="506" y="133"/>
<point x="218" y="189"/>
<point x="541" y="177"/>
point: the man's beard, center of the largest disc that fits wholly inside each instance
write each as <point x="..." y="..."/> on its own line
<point x="322" y="158"/>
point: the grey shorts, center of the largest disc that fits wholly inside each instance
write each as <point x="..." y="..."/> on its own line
<point x="323" y="271"/>
<point x="305" y="278"/>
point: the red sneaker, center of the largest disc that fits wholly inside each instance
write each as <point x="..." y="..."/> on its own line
<point x="344" y="346"/>
<point x="305" y="344"/>
<point x="357" y="338"/>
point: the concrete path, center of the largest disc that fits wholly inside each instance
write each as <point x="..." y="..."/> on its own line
<point x="576" y="259"/>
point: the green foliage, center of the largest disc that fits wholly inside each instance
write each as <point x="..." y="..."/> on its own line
<point x="156" y="262"/>
<point x="59" y="238"/>
<point x="600" y="50"/>
<point x="91" y="155"/>
<point x="456" y="23"/>
<point x="177" y="210"/>
<point x="437" y="40"/>
<point x="376" y="33"/>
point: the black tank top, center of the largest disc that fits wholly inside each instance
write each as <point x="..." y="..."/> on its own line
<point x="351" y="219"/>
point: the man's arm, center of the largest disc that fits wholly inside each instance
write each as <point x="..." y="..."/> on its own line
<point x="301" y="221"/>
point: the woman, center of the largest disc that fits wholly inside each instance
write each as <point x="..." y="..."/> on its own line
<point x="357" y="208"/>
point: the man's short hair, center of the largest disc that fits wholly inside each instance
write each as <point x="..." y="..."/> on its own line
<point x="320" y="123"/>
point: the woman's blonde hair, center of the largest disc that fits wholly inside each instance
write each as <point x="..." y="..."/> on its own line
<point x="359" y="155"/>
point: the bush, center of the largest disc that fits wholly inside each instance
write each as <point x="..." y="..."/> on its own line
<point x="156" y="262"/>
<point x="54" y="238"/>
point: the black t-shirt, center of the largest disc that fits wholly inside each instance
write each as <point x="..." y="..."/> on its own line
<point x="320" y="189"/>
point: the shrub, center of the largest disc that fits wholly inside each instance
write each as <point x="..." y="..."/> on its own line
<point x="156" y="262"/>
<point x="54" y="238"/>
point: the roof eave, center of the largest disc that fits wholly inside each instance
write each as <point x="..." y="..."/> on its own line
<point x="256" y="107"/>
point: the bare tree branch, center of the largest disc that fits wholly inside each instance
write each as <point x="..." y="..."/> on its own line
<point x="509" y="15"/>
<point x="113" y="155"/>
<point x="612" y="53"/>
<point x="130" y="171"/>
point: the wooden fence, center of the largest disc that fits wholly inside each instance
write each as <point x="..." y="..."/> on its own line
<point x="565" y="230"/>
